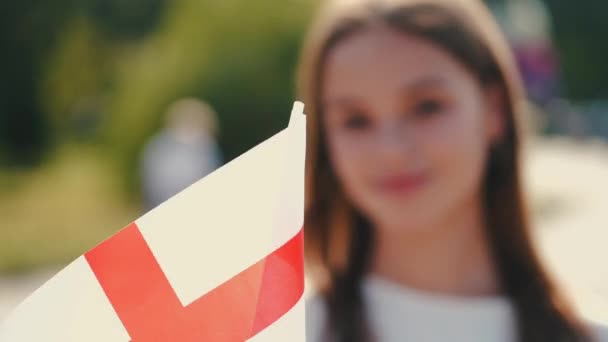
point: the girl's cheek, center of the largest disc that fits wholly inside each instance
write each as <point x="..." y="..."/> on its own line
<point x="348" y="157"/>
<point x="440" y="135"/>
<point x="447" y="142"/>
<point x="346" y="146"/>
<point x="341" y="152"/>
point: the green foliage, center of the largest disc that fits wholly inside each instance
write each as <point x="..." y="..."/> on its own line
<point x="106" y="70"/>
<point x="239" y="56"/>
<point x="580" y="33"/>
<point x="26" y="33"/>
<point x="54" y="213"/>
<point x="125" y="19"/>
<point x="77" y="70"/>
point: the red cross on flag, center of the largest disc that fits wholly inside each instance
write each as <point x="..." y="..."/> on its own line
<point x="221" y="261"/>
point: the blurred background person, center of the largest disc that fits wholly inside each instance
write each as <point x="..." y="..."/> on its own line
<point x="528" y="28"/>
<point x="416" y="216"/>
<point x="182" y="153"/>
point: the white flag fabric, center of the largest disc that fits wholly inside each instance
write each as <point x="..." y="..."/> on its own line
<point x="221" y="261"/>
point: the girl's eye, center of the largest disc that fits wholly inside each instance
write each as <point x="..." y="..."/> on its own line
<point x="357" y="121"/>
<point x="428" y="107"/>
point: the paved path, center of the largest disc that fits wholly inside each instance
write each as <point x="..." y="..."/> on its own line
<point x="569" y="189"/>
<point x="15" y="289"/>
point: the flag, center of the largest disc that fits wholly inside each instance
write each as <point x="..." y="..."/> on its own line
<point x="221" y="261"/>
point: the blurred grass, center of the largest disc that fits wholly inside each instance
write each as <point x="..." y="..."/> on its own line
<point x="51" y="215"/>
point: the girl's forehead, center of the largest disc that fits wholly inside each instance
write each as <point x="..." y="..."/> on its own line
<point x="387" y="58"/>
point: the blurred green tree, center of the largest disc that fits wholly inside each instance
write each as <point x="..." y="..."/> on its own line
<point x="27" y="29"/>
<point x="239" y="56"/>
<point x="580" y="33"/>
<point x="50" y="60"/>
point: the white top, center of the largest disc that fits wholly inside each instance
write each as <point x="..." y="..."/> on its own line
<point x="397" y="313"/>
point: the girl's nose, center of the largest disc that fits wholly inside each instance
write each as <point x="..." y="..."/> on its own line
<point x="394" y="136"/>
<point x="395" y="142"/>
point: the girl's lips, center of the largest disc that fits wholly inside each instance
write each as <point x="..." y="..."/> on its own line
<point x="400" y="184"/>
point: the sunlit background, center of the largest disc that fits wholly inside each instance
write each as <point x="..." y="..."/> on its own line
<point x="88" y="92"/>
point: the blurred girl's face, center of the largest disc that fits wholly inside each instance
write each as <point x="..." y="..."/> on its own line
<point x="407" y="127"/>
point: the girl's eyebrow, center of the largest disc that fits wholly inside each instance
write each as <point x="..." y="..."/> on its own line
<point x="343" y="101"/>
<point x="423" y="83"/>
<point x="349" y="101"/>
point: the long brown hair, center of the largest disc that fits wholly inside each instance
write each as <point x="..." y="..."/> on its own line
<point x="339" y="240"/>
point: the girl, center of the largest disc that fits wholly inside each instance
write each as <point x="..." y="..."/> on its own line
<point x="416" y="225"/>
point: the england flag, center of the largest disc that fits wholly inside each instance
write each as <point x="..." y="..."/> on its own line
<point x="221" y="261"/>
